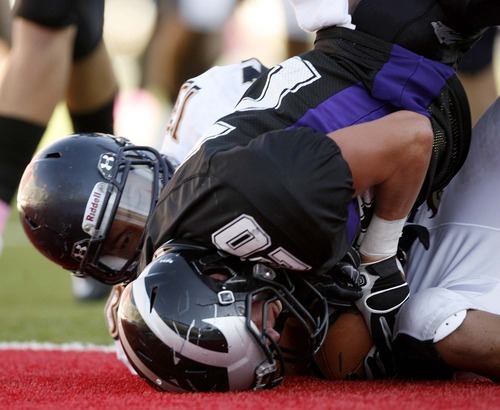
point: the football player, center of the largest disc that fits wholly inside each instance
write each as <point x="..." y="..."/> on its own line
<point x="185" y="29"/>
<point x="451" y="321"/>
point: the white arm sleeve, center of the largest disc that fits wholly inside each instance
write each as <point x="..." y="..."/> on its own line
<point x="313" y="15"/>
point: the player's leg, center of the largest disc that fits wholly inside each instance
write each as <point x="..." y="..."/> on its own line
<point x="90" y="99"/>
<point x="475" y="345"/>
<point x="439" y="331"/>
<point x="37" y="70"/>
<point x="93" y="86"/>
<point x="5" y="42"/>
<point x="451" y="320"/>
<point x="92" y="91"/>
<point x="36" y="73"/>
<point x="187" y="41"/>
<point x="391" y="156"/>
<point x="5" y="31"/>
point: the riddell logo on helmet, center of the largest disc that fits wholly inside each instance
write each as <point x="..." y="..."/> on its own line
<point x="92" y="207"/>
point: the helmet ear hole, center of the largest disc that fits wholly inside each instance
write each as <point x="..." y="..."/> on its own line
<point x="144" y="356"/>
<point x="31" y="223"/>
<point x="152" y="298"/>
<point x="217" y="274"/>
<point x="53" y="155"/>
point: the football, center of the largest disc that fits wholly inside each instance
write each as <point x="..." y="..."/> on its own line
<point x="346" y="345"/>
<point x="294" y="341"/>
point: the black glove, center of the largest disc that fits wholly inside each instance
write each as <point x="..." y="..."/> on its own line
<point x="384" y="292"/>
<point x="379" y="364"/>
<point x="412" y="232"/>
<point x="339" y="286"/>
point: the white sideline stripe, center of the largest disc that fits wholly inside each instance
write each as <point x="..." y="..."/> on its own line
<point x="55" y="346"/>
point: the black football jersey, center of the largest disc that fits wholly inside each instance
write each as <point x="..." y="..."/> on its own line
<point x="349" y="78"/>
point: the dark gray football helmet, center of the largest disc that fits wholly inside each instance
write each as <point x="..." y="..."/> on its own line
<point x="84" y="201"/>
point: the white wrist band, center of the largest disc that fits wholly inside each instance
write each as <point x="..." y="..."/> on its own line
<point x="382" y="237"/>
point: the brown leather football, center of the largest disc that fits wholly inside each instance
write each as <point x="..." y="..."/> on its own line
<point x="346" y="345"/>
<point x="294" y="342"/>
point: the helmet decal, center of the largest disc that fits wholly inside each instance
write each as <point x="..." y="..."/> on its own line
<point x="106" y="164"/>
<point x="95" y="205"/>
<point x="80" y="249"/>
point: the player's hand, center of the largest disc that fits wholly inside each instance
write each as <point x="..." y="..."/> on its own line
<point x="111" y="310"/>
<point x="384" y="292"/>
<point x="379" y="364"/>
<point x="340" y="286"/>
<point x="111" y="316"/>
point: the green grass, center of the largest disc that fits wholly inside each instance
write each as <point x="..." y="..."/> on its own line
<point x="36" y="301"/>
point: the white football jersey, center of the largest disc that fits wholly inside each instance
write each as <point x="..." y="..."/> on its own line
<point x="461" y="269"/>
<point x="202" y="101"/>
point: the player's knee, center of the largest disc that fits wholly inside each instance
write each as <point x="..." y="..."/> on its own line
<point x="419" y="136"/>
<point x="469" y="333"/>
<point x="418" y="319"/>
<point x="87" y="16"/>
<point x="452" y="346"/>
<point x="436" y="358"/>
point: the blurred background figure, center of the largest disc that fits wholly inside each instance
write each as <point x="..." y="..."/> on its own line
<point x="477" y="71"/>
<point x="61" y="78"/>
<point x="57" y="54"/>
<point x="189" y="39"/>
<point x="180" y="40"/>
<point x="128" y="29"/>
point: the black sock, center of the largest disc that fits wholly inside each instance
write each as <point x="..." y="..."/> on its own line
<point x="100" y="120"/>
<point x="19" y="140"/>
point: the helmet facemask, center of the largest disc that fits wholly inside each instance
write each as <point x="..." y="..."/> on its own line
<point x="117" y="213"/>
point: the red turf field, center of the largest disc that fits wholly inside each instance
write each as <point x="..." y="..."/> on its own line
<point x="72" y="379"/>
